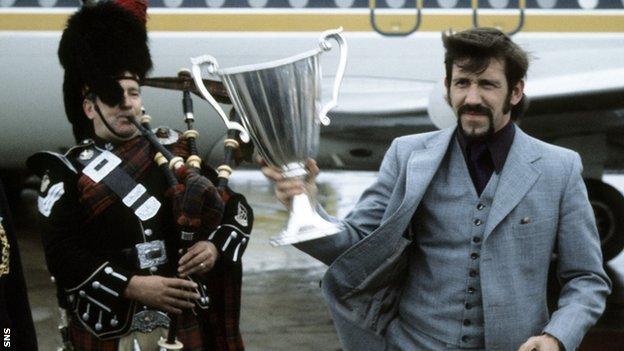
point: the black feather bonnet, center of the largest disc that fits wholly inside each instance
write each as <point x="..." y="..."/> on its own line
<point x="99" y="44"/>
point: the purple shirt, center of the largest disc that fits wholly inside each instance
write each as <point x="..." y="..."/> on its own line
<point x="486" y="155"/>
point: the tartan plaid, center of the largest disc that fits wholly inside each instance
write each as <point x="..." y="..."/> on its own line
<point x="189" y="333"/>
<point x="219" y="325"/>
<point x="201" y="204"/>
<point x="96" y="197"/>
<point x="221" y="321"/>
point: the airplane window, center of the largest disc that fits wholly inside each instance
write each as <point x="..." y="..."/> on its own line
<point x="546" y="4"/>
<point x="215" y="3"/>
<point x="447" y="4"/>
<point x="344" y="3"/>
<point x="47" y="3"/>
<point x="7" y="3"/>
<point x="499" y="4"/>
<point x="298" y="3"/>
<point x="588" y="4"/>
<point x="173" y="3"/>
<point x="395" y="3"/>
<point x="257" y="3"/>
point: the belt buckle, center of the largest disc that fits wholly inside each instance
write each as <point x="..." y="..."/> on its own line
<point x="151" y="253"/>
<point x="147" y="320"/>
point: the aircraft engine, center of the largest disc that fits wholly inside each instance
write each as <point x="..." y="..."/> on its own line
<point x="439" y="110"/>
<point x="608" y="205"/>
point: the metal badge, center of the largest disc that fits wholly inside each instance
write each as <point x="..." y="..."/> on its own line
<point x="151" y="254"/>
<point x="134" y="195"/>
<point x="101" y="166"/>
<point x="148" y="209"/>
<point x="86" y="154"/>
<point x="147" y="320"/>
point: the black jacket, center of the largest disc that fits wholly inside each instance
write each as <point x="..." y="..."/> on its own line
<point x="14" y="308"/>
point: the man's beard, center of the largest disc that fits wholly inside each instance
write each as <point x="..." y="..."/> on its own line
<point x="472" y="134"/>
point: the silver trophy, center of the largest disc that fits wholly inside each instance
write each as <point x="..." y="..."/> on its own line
<point x="280" y="107"/>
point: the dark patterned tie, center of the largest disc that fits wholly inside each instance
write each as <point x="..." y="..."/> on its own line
<point x="481" y="165"/>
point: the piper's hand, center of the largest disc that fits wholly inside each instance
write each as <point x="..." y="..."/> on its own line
<point x="166" y="294"/>
<point x="286" y="188"/>
<point x="544" y="342"/>
<point x="199" y="258"/>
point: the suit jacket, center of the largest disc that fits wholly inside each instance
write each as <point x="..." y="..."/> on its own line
<point x="540" y="184"/>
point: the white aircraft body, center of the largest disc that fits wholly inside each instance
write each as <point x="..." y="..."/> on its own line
<point x="392" y="85"/>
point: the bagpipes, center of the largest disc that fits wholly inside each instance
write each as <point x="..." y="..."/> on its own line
<point x="199" y="205"/>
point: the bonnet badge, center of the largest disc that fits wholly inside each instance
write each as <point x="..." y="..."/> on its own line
<point x="86" y="154"/>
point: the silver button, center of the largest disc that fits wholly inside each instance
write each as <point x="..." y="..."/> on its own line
<point x="148" y="232"/>
<point x="153" y="269"/>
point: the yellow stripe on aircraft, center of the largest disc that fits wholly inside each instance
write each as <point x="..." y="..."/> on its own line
<point x="352" y="22"/>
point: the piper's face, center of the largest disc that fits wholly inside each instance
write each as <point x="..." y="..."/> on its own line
<point x="482" y="101"/>
<point x="117" y="116"/>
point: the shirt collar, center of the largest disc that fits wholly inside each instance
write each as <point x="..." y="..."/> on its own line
<point x="498" y="145"/>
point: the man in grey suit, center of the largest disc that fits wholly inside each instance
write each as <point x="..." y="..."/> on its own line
<point x="449" y="249"/>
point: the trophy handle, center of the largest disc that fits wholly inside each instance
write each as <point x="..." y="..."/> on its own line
<point x="326" y="46"/>
<point x="212" y="67"/>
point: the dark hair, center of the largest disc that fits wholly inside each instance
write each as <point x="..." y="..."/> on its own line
<point x="476" y="47"/>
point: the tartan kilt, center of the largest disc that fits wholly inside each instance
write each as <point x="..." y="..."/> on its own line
<point x="189" y="333"/>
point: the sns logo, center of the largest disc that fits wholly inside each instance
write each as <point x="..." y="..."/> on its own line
<point x="7" y="337"/>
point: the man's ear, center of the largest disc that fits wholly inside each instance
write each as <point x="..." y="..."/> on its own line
<point x="516" y="92"/>
<point x="88" y="108"/>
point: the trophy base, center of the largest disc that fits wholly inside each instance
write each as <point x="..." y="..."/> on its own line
<point x="304" y="224"/>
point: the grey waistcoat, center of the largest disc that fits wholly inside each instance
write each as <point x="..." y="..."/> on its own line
<point x="442" y="295"/>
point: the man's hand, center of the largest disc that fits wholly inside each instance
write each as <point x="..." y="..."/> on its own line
<point x="200" y="258"/>
<point x="166" y="294"/>
<point x="544" y="342"/>
<point x="286" y="188"/>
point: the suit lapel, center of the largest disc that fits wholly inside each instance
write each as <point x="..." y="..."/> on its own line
<point x="422" y="166"/>
<point x="517" y="177"/>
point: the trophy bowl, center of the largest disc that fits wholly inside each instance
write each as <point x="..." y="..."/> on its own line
<point x="279" y="103"/>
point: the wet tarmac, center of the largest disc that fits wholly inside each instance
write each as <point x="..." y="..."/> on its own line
<point x="282" y="307"/>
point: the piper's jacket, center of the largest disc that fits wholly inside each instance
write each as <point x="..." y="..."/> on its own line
<point x="93" y="261"/>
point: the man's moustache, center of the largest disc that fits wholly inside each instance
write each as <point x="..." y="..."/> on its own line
<point x="478" y="109"/>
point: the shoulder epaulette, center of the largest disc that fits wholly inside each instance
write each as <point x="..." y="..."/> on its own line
<point x="44" y="161"/>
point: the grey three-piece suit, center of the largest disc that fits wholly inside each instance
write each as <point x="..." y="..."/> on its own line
<point x="539" y="206"/>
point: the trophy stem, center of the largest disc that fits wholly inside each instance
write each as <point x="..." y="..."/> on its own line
<point x="304" y="224"/>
